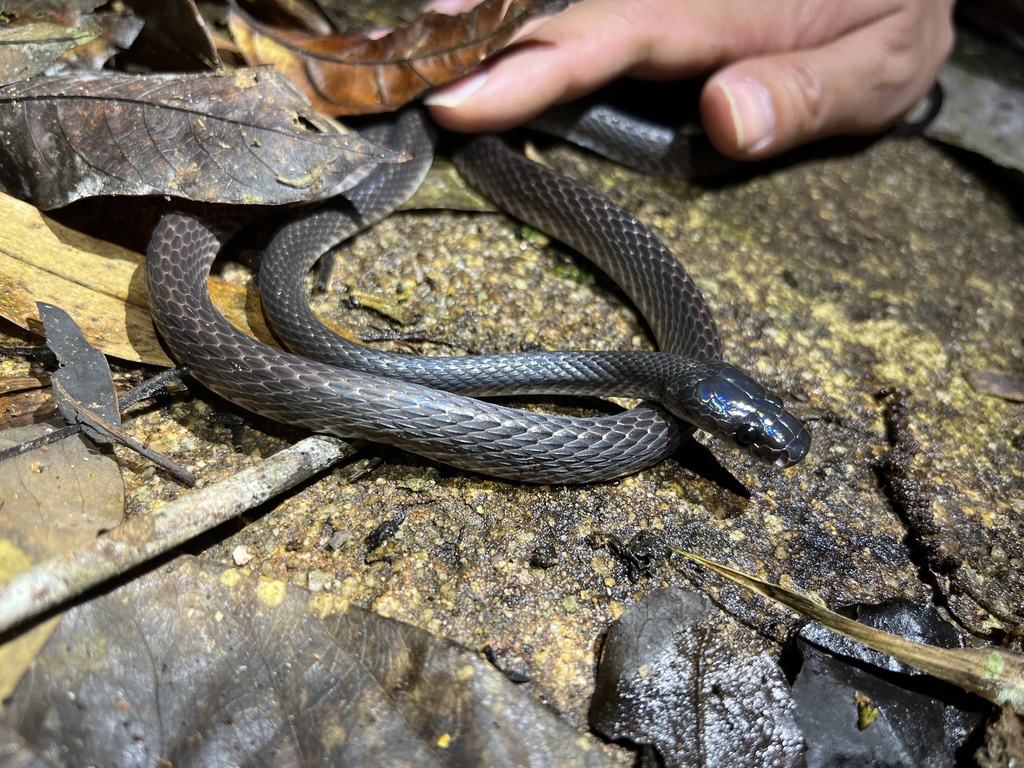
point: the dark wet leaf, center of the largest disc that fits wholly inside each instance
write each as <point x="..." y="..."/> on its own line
<point x="668" y="679"/>
<point x="242" y="137"/>
<point x="84" y="390"/>
<point x="860" y="707"/>
<point x="347" y="73"/>
<point x="210" y="667"/>
<point x="993" y="673"/>
<point x="84" y="376"/>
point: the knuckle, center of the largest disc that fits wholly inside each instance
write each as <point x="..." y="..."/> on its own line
<point x="633" y="17"/>
<point x="895" y="72"/>
<point x="810" y="95"/>
<point x="916" y="41"/>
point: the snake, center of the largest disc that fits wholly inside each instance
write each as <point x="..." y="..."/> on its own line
<point x="430" y="406"/>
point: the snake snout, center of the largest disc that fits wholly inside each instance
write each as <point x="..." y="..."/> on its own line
<point x="730" y="404"/>
<point x="789" y="440"/>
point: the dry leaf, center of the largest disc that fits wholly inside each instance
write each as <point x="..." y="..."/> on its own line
<point x="351" y="74"/>
<point x="52" y="501"/>
<point x="242" y="137"/>
<point x="54" y="34"/>
<point x="28" y="49"/>
<point x="99" y="284"/>
<point x="202" y="673"/>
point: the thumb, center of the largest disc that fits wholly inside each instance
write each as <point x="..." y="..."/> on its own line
<point x="856" y="84"/>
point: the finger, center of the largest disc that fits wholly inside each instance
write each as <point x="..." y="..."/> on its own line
<point x="450" y="7"/>
<point x="859" y="83"/>
<point x="585" y="47"/>
<point x="596" y="41"/>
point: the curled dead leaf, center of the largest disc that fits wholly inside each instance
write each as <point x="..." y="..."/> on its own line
<point x="351" y="74"/>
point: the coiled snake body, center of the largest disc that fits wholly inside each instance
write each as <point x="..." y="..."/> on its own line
<point x="424" y="404"/>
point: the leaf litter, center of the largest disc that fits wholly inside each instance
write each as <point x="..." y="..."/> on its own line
<point x="113" y="167"/>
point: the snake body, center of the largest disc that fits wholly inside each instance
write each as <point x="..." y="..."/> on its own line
<point x="421" y="404"/>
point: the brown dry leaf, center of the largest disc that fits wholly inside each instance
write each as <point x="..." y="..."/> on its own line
<point x="350" y="74"/>
<point x="30" y="404"/>
<point x="247" y="136"/>
<point x="100" y="285"/>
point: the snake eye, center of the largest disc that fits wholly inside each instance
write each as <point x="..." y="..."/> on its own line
<point x="746" y="435"/>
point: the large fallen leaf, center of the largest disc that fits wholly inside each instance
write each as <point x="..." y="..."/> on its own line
<point x="196" y="664"/>
<point x="351" y="74"/>
<point x="247" y="136"/>
<point x="857" y="706"/>
<point x="669" y="679"/>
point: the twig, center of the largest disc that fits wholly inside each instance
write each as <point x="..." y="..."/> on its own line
<point x="139" y="393"/>
<point x="87" y="418"/>
<point x="143" y="537"/>
<point x="995" y="674"/>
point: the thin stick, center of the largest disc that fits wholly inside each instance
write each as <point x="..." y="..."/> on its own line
<point x="134" y="542"/>
<point x="89" y="418"/>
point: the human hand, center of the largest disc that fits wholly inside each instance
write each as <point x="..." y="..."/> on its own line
<point x="784" y="73"/>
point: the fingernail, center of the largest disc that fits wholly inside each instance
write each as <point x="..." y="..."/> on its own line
<point x="448" y="7"/>
<point x="455" y="94"/>
<point x="753" y="114"/>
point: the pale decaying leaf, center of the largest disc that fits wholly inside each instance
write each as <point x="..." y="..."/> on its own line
<point x="99" y="284"/>
<point x="29" y="49"/>
<point x="52" y="501"/>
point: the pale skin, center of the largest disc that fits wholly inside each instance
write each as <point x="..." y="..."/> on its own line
<point x="781" y="72"/>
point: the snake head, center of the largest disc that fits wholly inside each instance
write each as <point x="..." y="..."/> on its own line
<point x="728" y="403"/>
